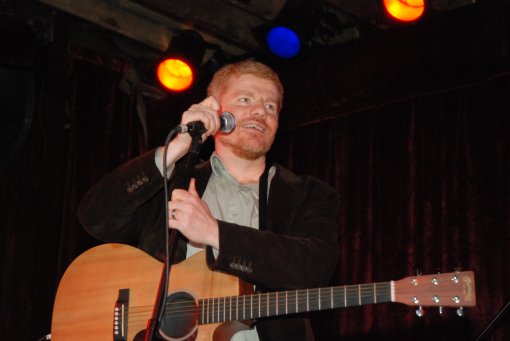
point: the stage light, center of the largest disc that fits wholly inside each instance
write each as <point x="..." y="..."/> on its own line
<point x="299" y="28"/>
<point x="283" y="42"/>
<point x="285" y="38"/>
<point x="295" y="30"/>
<point x="179" y="67"/>
<point x="405" y="10"/>
<point x="175" y="74"/>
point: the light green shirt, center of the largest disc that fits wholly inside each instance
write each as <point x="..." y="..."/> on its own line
<point x="230" y="201"/>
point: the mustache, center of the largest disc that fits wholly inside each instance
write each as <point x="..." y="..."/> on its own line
<point x="258" y="121"/>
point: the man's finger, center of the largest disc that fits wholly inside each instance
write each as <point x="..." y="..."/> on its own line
<point x="192" y="189"/>
<point x="211" y="102"/>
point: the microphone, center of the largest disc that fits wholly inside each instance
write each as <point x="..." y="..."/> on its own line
<point x="227" y="124"/>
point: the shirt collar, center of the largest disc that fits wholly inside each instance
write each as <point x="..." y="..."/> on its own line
<point x="221" y="171"/>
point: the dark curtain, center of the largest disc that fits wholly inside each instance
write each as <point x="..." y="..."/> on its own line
<point x="425" y="187"/>
<point x="104" y="132"/>
<point x="424" y="182"/>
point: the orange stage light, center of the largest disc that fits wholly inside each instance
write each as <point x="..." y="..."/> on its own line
<point x="174" y="74"/>
<point x="405" y="10"/>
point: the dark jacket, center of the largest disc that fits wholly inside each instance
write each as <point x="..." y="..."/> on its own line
<point x="297" y="250"/>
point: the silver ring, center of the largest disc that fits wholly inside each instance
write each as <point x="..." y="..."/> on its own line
<point x="172" y="214"/>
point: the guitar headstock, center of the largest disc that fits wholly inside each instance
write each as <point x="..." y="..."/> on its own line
<point x="454" y="289"/>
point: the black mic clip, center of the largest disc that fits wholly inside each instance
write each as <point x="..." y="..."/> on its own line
<point x="195" y="128"/>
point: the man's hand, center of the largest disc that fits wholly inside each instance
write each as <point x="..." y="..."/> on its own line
<point x="191" y="216"/>
<point x="207" y="112"/>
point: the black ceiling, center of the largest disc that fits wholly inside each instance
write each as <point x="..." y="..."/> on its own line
<point x="146" y="26"/>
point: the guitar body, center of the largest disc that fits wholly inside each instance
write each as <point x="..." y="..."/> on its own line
<point x="89" y="290"/>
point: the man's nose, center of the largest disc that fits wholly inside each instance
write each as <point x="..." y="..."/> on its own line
<point x="259" y="109"/>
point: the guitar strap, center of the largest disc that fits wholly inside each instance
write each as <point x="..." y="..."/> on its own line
<point x="263" y="198"/>
<point x="263" y="181"/>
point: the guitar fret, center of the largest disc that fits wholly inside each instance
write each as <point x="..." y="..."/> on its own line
<point x="207" y="319"/>
<point x="359" y="294"/>
<point x="319" y="298"/>
<point x="375" y="292"/>
<point x="307" y="301"/>
<point x="251" y="306"/>
<point x="267" y="295"/>
<point x="332" y="301"/>
<point x="230" y="310"/>
<point x="286" y="303"/>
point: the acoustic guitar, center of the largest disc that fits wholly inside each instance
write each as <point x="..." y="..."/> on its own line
<point x="109" y="291"/>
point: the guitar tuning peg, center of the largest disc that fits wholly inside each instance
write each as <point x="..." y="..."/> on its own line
<point x="440" y="311"/>
<point x="420" y="311"/>
<point x="460" y="311"/>
<point x="419" y="272"/>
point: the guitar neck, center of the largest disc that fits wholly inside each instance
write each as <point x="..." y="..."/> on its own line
<point x="248" y="307"/>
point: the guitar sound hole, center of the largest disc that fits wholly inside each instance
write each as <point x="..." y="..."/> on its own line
<point x="179" y="321"/>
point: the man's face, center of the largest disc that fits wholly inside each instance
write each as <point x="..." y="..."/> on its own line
<point x="254" y="103"/>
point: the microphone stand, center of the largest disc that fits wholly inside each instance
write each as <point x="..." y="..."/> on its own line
<point x="181" y="183"/>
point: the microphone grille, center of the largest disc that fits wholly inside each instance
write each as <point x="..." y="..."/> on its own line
<point x="228" y="122"/>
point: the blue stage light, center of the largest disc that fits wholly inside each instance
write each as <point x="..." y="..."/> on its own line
<point x="283" y="42"/>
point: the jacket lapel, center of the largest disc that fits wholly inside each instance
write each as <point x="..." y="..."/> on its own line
<point x="285" y="197"/>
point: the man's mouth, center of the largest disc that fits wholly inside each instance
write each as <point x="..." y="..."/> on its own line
<point x="254" y="126"/>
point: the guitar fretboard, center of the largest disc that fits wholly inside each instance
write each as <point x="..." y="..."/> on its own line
<point x="248" y="307"/>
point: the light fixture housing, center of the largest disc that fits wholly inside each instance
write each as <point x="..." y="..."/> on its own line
<point x="291" y="34"/>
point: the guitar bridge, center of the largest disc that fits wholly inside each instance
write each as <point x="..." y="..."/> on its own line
<point x="120" y="316"/>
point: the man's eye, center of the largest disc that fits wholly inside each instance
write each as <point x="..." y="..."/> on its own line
<point x="271" y="107"/>
<point x="243" y="99"/>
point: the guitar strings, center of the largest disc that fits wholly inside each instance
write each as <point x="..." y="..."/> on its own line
<point x="251" y="303"/>
<point x="218" y="306"/>
<point x="219" y="309"/>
